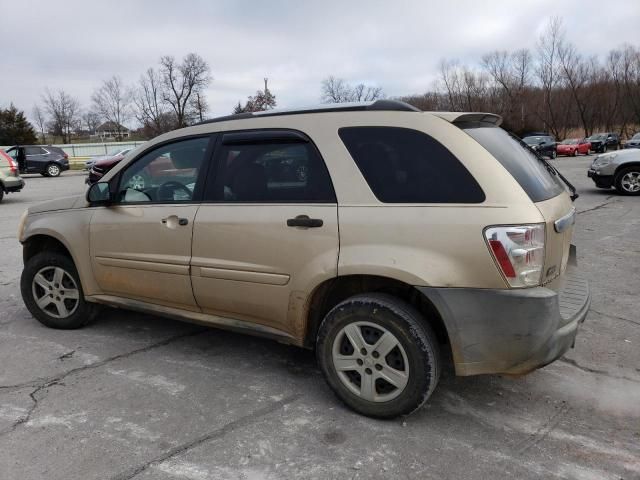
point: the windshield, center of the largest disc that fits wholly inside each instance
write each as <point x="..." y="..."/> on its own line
<point x="570" y="141"/>
<point x="537" y="178"/>
<point x="533" y="140"/>
<point x="636" y="137"/>
<point x="597" y="136"/>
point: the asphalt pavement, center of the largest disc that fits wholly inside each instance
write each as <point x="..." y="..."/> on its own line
<point x="137" y="396"/>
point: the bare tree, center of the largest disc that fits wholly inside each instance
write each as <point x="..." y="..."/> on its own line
<point x="337" y="90"/>
<point x="41" y="121"/>
<point x="181" y="81"/>
<point x="113" y="102"/>
<point x="64" y="111"/>
<point x="151" y="110"/>
<point x="549" y="74"/>
<point x="92" y="121"/>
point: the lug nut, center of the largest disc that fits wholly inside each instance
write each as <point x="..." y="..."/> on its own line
<point x="359" y="361"/>
<point x="368" y="371"/>
<point x="378" y="367"/>
<point x="375" y="354"/>
<point x="363" y="351"/>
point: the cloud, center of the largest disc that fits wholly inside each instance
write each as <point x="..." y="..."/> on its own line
<point x="394" y="44"/>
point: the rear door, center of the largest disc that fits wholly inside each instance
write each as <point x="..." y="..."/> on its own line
<point x="267" y="232"/>
<point x="141" y="245"/>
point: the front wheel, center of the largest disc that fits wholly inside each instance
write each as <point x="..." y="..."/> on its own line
<point x="52" y="292"/>
<point x="553" y="155"/>
<point x="53" y="170"/>
<point x="627" y="181"/>
<point x="379" y="355"/>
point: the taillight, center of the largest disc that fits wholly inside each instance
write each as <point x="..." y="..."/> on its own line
<point x="519" y="251"/>
<point x="12" y="166"/>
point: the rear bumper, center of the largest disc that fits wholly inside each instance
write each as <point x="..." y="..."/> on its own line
<point x="511" y="331"/>
<point x="13" y="184"/>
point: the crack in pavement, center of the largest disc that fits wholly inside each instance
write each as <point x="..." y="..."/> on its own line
<point x="598" y="207"/>
<point x="573" y="363"/>
<point x="57" y="379"/>
<point x="543" y="432"/>
<point x="615" y="317"/>
<point x="215" y="434"/>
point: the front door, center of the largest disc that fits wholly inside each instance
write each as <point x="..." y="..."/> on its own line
<point x="269" y="233"/>
<point x="141" y="245"/>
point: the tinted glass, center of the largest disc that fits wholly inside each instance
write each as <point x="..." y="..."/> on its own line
<point x="272" y="173"/>
<point x="407" y="166"/>
<point x="636" y="137"/>
<point x="33" y="151"/>
<point x="528" y="170"/>
<point x="167" y="174"/>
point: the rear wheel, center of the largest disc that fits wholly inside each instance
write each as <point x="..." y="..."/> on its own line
<point x="1" y="193"/>
<point x="52" y="292"/>
<point x="379" y="355"/>
<point x="53" y="170"/>
<point x="627" y="181"/>
<point x="553" y="154"/>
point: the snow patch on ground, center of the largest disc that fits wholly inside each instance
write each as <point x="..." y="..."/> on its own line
<point x="158" y="381"/>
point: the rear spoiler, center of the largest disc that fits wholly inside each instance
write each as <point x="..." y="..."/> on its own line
<point x="462" y="117"/>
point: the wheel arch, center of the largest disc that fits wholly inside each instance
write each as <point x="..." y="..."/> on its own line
<point x="335" y="290"/>
<point x="623" y="166"/>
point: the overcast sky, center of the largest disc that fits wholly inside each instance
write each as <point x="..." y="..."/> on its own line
<point x="396" y="45"/>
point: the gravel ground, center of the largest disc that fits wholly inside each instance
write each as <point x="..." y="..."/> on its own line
<point x="139" y="396"/>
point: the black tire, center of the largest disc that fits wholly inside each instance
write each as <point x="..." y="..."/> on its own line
<point x="44" y="174"/>
<point x="84" y="311"/>
<point x="53" y="170"/>
<point x="575" y="153"/>
<point x="411" y="331"/>
<point x="553" y="155"/>
<point x="617" y="181"/>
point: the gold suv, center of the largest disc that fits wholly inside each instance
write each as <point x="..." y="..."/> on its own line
<point x="382" y="236"/>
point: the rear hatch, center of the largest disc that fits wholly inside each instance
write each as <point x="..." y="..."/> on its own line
<point x="542" y="183"/>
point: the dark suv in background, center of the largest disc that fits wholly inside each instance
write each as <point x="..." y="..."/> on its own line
<point x="46" y="160"/>
<point x="543" y="144"/>
<point x="601" y="142"/>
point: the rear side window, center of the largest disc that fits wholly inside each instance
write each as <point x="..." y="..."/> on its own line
<point x="402" y="165"/>
<point x="266" y="172"/>
<point x="529" y="171"/>
<point x="33" y="151"/>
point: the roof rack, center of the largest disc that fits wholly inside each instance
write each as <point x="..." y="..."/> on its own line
<point x="376" y="105"/>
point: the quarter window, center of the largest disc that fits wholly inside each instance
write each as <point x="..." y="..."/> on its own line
<point x="266" y="172"/>
<point x="167" y="174"/>
<point x="407" y="166"/>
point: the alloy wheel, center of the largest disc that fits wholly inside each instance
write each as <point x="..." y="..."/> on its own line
<point x="53" y="170"/>
<point x="370" y="361"/>
<point x="631" y="182"/>
<point x="55" y="292"/>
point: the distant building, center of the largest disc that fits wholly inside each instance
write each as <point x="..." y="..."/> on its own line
<point x="110" y="130"/>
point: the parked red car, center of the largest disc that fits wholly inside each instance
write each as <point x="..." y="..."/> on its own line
<point x="573" y="147"/>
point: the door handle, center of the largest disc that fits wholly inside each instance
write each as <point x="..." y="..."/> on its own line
<point x="305" y="221"/>
<point x="171" y="220"/>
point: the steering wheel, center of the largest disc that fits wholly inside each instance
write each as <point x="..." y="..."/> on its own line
<point x="167" y="190"/>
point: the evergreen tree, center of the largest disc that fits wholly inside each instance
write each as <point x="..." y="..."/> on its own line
<point x="15" y="129"/>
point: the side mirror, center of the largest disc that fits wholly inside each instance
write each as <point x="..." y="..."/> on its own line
<point x="99" y="194"/>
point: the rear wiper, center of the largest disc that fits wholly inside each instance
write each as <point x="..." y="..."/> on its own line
<point x="553" y="170"/>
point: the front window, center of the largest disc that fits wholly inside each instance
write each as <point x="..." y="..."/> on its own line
<point x="636" y="137"/>
<point x="167" y="174"/>
<point x="570" y="141"/>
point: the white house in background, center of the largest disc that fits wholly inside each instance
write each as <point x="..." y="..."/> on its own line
<point x="110" y="130"/>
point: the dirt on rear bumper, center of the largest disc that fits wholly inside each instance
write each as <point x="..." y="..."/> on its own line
<point x="511" y="331"/>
